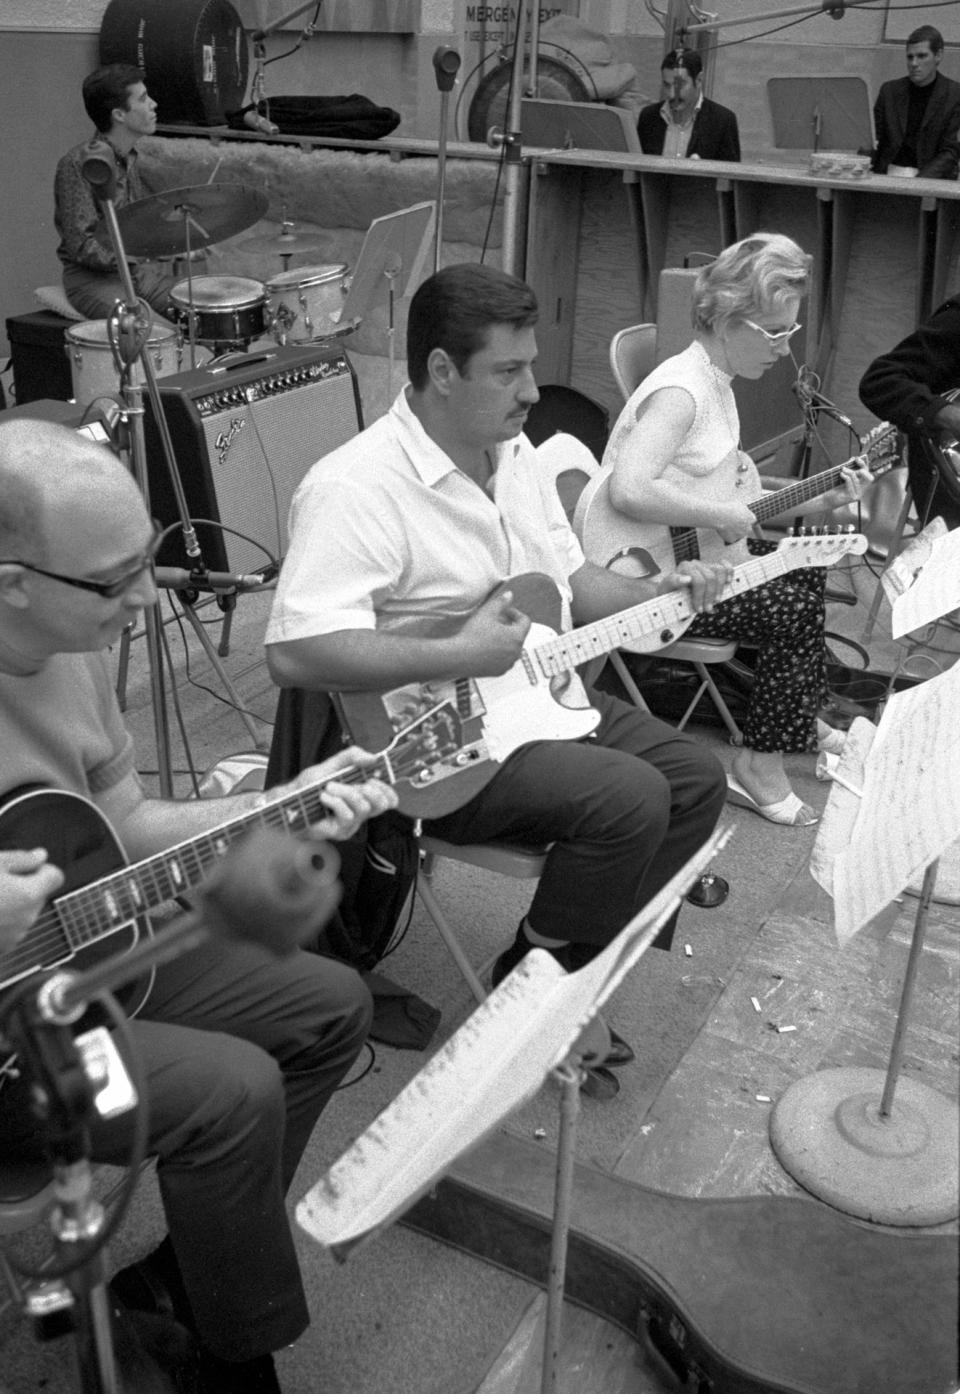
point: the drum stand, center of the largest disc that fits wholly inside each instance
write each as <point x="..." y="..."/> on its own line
<point x="129" y="328"/>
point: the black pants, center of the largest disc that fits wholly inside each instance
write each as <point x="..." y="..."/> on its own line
<point x="624" y="809"/>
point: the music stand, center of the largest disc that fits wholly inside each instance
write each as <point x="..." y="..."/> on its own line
<point x="553" y="125"/>
<point x="820" y="113"/>
<point x="390" y="266"/>
<point x="891" y="813"/>
<point x="537" y="1022"/>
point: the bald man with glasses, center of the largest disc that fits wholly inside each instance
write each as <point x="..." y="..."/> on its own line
<point x="240" y="1050"/>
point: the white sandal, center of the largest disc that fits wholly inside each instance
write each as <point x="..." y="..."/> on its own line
<point x="790" y="811"/>
<point x="833" y="742"/>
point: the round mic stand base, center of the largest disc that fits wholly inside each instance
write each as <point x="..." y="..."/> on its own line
<point x="880" y="1146"/>
<point x="829" y="1134"/>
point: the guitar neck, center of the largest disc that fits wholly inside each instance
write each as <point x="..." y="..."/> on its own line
<point x="137" y="889"/>
<point x="650" y="617"/>
<point x="685" y="542"/>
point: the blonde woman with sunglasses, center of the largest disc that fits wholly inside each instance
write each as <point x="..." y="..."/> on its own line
<point x="676" y="460"/>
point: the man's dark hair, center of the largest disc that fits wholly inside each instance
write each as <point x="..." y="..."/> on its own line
<point x="926" y="34"/>
<point x="454" y="310"/>
<point x="687" y="58"/>
<point x="108" y="88"/>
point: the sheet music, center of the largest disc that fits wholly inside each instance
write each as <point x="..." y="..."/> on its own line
<point x="923" y="582"/>
<point x="873" y="843"/>
<point x="495" y="1062"/>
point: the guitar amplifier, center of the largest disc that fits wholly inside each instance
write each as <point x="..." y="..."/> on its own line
<point x="244" y="433"/>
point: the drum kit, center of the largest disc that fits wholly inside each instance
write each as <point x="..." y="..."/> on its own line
<point x="215" y="315"/>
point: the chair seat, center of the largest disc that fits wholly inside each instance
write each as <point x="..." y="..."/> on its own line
<point x="700" y="650"/>
<point x="509" y="859"/>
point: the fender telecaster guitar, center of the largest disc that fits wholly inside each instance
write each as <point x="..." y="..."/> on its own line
<point x="102" y="906"/>
<point x="541" y="697"/>
<point x="609" y="536"/>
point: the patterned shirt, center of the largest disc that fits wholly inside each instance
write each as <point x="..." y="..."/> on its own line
<point x="84" y="240"/>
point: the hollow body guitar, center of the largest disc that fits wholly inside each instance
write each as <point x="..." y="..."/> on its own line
<point x="541" y="697"/>
<point x="613" y="539"/>
<point x="101" y="910"/>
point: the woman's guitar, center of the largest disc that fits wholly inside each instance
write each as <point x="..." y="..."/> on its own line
<point x="103" y="903"/>
<point x="608" y="535"/>
<point x="541" y="698"/>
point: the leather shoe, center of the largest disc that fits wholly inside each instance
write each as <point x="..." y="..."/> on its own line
<point x="620" y="1052"/>
<point x="599" y="1083"/>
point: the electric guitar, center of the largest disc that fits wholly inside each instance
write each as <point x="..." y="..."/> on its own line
<point x="541" y="698"/>
<point x="102" y="906"/>
<point x="613" y="539"/>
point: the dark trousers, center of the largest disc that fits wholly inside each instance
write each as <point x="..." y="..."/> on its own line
<point x="624" y="809"/>
<point x="247" y="1053"/>
<point x="94" y="293"/>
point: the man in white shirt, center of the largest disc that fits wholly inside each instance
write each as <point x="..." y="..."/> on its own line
<point x="398" y="543"/>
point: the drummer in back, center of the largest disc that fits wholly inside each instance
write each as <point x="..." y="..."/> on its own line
<point x="118" y="103"/>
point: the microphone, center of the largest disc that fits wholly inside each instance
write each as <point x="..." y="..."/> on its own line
<point x="100" y="172"/>
<point x="446" y="64"/>
<point x="177" y="578"/>
<point x="809" y="397"/>
<point x="272" y="890"/>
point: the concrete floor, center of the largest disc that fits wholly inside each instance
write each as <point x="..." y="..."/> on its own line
<point x="406" y="1315"/>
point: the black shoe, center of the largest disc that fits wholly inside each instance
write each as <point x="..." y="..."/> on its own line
<point x="258" y="1376"/>
<point x="599" y="1083"/>
<point x="620" y="1053"/>
<point x="153" y="1284"/>
<point x="509" y="959"/>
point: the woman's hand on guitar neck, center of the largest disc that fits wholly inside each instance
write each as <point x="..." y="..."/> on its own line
<point x="703" y="582"/>
<point x="27" y="881"/>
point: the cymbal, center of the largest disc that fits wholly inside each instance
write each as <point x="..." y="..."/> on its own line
<point x="283" y="244"/>
<point x="157" y="226"/>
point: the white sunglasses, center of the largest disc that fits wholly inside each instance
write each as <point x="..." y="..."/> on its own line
<point x="782" y="336"/>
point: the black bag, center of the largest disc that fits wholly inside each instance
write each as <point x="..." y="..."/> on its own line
<point x="347" y="118"/>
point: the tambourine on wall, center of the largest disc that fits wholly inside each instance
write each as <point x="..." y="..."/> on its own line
<point x="560" y="77"/>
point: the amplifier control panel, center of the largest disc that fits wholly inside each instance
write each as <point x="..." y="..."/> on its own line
<point x="272" y="385"/>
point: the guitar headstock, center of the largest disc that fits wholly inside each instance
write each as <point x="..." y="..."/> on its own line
<point x="821" y="548"/>
<point x="881" y="449"/>
<point x="431" y="738"/>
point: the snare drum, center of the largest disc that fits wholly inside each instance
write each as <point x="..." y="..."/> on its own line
<point x="302" y="301"/>
<point x="226" y="309"/>
<point x="92" y="365"/>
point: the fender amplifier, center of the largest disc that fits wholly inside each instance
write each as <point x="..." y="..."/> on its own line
<point x="244" y="433"/>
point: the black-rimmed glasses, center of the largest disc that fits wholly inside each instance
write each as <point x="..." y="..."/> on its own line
<point x="109" y="590"/>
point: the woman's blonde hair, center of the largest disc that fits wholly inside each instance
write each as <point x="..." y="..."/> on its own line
<point x="755" y="276"/>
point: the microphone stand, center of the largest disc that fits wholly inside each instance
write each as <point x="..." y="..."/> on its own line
<point x="128" y="329"/>
<point x="446" y="62"/>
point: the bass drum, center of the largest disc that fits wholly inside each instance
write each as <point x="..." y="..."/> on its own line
<point x="194" y="54"/>
<point x="555" y="80"/>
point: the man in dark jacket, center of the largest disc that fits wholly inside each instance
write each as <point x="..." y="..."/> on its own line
<point x="686" y="124"/>
<point x="917" y="117"/>
<point x="912" y="386"/>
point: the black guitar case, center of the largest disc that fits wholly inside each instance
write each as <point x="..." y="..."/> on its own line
<point x="752" y="1295"/>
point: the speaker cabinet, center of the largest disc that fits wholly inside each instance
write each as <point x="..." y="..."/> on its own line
<point x="244" y="434"/>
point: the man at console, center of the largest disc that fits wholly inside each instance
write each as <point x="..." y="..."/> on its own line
<point x="118" y="103"/>
<point x="686" y="124"/>
<point x="917" y="117"/>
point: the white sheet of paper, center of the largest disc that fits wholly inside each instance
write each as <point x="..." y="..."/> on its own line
<point x="934" y="590"/>
<point x="871" y="845"/>
<point x="496" y="1061"/>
